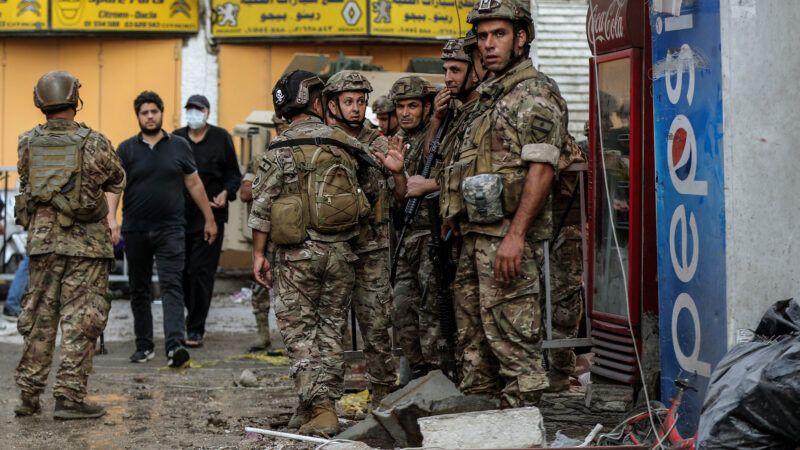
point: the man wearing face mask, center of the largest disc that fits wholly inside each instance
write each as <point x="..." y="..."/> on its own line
<point x="219" y="170"/>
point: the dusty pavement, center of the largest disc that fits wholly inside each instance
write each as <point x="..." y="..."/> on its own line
<point x="202" y="406"/>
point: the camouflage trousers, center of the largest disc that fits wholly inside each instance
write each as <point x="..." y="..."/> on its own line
<point x="416" y="319"/>
<point x="372" y="301"/>
<point x="260" y="302"/>
<point x="72" y="291"/>
<point x="314" y="281"/>
<point x="499" y="325"/>
<point x="566" y="271"/>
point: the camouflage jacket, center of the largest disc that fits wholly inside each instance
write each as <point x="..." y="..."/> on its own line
<point x="375" y="182"/>
<point x="413" y="162"/>
<point x="269" y="181"/>
<point x="519" y="119"/>
<point x="101" y="172"/>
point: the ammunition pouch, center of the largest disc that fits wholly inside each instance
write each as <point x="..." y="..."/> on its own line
<point x="483" y="197"/>
<point x="288" y="220"/>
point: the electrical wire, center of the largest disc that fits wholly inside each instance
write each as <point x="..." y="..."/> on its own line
<point x="614" y="228"/>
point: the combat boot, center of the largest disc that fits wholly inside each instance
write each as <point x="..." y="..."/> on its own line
<point x="301" y="415"/>
<point x="378" y="392"/>
<point x="67" y="410"/>
<point x="28" y="405"/>
<point x="557" y="384"/>
<point x="323" y="421"/>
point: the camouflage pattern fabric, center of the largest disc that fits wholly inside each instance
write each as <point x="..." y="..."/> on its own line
<point x="416" y="320"/>
<point x="69" y="290"/>
<point x="68" y="278"/>
<point x="499" y="325"/>
<point x="314" y="282"/>
<point x="269" y="180"/>
<point x="518" y="121"/>
<point x="372" y="297"/>
<point x="566" y="270"/>
<point x="260" y="303"/>
<point x="101" y="172"/>
<point x="413" y="161"/>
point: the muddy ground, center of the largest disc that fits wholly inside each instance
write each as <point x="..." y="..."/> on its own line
<point x="202" y="406"/>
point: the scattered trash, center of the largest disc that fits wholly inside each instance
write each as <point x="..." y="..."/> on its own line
<point x="355" y="404"/>
<point x="754" y="393"/>
<point x="244" y="295"/>
<point x="248" y="379"/>
<point x="264" y="357"/>
<point x="562" y="441"/>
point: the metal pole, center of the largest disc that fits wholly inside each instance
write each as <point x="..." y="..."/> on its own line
<point x="584" y="259"/>
<point x="297" y="437"/>
<point x="548" y="307"/>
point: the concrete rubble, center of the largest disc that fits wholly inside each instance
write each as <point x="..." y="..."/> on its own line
<point x="508" y="428"/>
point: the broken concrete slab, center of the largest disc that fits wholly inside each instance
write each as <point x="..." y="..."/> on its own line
<point x="369" y="431"/>
<point x="507" y="428"/>
<point x="399" y="411"/>
<point x="248" y="379"/>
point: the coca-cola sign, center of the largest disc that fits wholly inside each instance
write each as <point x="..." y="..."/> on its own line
<point x="614" y="25"/>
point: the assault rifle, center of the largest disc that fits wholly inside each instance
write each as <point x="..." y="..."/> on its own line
<point x="444" y="272"/>
<point x="412" y="205"/>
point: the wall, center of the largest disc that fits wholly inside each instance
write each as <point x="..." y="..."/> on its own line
<point x="760" y="101"/>
<point x="112" y="72"/>
<point x="247" y="72"/>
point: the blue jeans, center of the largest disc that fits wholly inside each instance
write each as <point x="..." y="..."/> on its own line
<point x="18" y="287"/>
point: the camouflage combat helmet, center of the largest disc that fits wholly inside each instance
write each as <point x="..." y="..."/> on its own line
<point x="513" y="10"/>
<point x="382" y="105"/>
<point x="56" y="90"/>
<point x="454" y="49"/>
<point x="345" y="81"/>
<point x="411" y="87"/>
<point x="292" y="93"/>
<point x="470" y="41"/>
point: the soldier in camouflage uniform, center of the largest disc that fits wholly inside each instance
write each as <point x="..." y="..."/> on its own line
<point x="346" y="95"/>
<point x="64" y="167"/>
<point x="387" y="120"/>
<point x="566" y="265"/>
<point x="261" y="297"/>
<point x="309" y="216"/>
<point x="497" y="190"/>
<point x="416" y="319"/>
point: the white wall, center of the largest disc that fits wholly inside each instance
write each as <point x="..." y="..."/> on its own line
<point x="199" y="72"/>
<point x="761" y="104"/>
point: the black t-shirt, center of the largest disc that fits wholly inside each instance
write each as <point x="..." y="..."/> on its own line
<point x="155" y="182"/>
<point x="218" y="169"/>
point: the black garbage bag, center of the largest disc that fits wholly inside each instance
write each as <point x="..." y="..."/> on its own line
<point x="753" y="399"/>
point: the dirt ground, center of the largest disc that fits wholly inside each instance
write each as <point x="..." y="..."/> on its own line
<point x="152" y="406"/>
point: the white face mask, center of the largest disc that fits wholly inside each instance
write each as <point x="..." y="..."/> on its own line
<point x="195" y="118"/>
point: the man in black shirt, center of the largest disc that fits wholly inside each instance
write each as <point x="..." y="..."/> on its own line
<point x="158" y="167"/>
<point x="219" y="170"/>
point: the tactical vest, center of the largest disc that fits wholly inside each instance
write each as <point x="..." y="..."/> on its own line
<point x="320" y="190"/>
<point x="475" y="155"/>
<point x="373" y="183"/>
<point x="55" y="174"/>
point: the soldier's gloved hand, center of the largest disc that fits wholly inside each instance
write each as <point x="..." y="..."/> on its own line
<point x="508" y="261"/>
<point x="210" y="231"/>
<point x="262" y="271"/>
